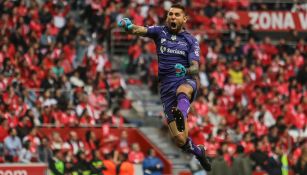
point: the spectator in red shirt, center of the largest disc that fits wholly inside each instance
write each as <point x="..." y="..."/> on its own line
<point x="134" y="52"/>
<point x="86" y="119"/>
<point x="261" y="128"/>
<point x="4" y="127"/>
<point x="117" y="119"/>
<point x="268" y="47"/>
<point x="247" y="143"/>
<point x="136" y="155"/>
<point x="98" y="101"/>
<point x="153" y="81"/>
<point x="74" y="143"/>
<point x="123" y="141"/>
<point x="219" y="76"/>
<point x="91" y="141"/>
<point x="34" y="140"/>
<point x="244" y="4"/>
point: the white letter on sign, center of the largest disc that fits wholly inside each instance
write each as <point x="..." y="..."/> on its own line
<point x="277" y="20"/>
<point x="265" y="20"/>
<point x="20" y="172"/>
<point x="253" y="19"/>
<point x="16" y="172"/>
<point x="289" y="23"/>
<point x="8" y="172"/>
<point x="303" y="20"/>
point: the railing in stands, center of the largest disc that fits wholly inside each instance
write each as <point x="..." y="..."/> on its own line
<point x="51" y="125"/>
<point x="275" y="1"/>
<point x="120" y="42"/>
<point x="133" y="136"/>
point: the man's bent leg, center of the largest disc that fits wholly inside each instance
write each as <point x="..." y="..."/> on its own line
<point x="183" y="93"/>
<point x="180" y="113"/>
<point x="179" y="119"/>
<point x="182" y="140"/>
<point x="185" y="143"/>
<point x="179" y="137"/>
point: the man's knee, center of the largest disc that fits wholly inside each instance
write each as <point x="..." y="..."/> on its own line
<point x="186" y="89"/>
<point x="180" y="139"/>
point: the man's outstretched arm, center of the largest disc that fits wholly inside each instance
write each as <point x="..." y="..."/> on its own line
<point x="138" y="30"/>
<point x="131" y="28"/>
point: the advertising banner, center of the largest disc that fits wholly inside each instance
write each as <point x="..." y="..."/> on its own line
<point x="271" y="20"/>
<point x="23" y="169"/>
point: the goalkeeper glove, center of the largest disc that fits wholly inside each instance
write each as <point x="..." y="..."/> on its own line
<point x="180" y="70"/>
<point x="125" y="23"/>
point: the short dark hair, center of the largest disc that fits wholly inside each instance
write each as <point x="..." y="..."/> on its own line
<point x="11" y="130"/>
<point x="219" y="152"/>
<point x="240" y="149"/>
<point x="150" y="151"/>
<point x="179" y="6"/>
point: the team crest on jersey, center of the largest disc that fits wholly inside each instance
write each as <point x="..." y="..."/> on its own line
<point x="173" y="37"/>
<point x="163" y="40"/>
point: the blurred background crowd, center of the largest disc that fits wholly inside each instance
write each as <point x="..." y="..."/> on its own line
<point x="57" y="68"/>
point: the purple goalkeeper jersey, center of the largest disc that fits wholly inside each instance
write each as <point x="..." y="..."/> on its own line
<point x="172" y="49"/>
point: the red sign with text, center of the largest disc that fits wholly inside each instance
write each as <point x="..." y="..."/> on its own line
<point x="271" y="20"/>
<point x="23" y="169"/>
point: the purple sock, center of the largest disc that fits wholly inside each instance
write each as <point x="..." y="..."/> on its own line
<point x="183" y="104"/>
<point x="190" y="147"/>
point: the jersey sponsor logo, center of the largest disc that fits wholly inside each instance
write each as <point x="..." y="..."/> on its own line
<point x="171" y="51"/>
<point x="162" y="49"/>
<point x="173" y="37"/>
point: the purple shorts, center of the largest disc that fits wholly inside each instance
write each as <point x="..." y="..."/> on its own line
<point x="168" y="95"/>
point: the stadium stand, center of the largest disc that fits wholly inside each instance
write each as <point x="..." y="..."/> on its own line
<point x="65" y="73"/>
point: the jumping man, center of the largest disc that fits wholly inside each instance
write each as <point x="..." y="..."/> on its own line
<point x="178" y="53"/>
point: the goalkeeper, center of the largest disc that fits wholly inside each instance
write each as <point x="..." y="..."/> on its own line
<point x="178" y="55"/>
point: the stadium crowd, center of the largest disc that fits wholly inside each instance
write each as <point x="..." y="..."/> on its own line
<point x="55" y="68"/>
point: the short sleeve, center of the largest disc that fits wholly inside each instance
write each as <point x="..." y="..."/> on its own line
<point x="194" y="51"/>
<point x="153" y="31"/>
